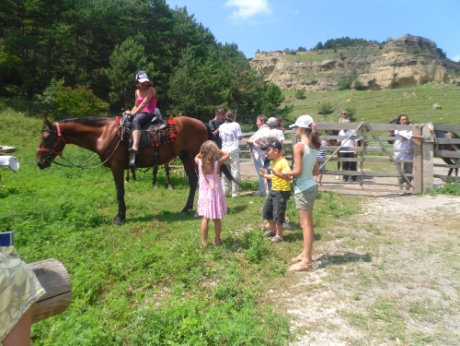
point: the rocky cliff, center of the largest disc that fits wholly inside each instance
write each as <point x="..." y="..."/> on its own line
<point x="402" y="62"/>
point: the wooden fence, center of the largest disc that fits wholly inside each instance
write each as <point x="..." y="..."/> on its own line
<point x="377" y="170"/>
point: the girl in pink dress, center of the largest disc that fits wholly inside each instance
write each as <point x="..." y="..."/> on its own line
<point x="211" y="199"/>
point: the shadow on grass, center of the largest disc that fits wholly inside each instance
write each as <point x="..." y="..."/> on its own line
<point x="348" y="257"/>
<point x="296" y="234"/>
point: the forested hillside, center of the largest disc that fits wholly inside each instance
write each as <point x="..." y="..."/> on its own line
<point x="72" y="52"/>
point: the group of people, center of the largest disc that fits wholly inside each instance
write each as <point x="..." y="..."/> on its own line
<point x="402" y="147"/>
<point x="274" y="173"/>
<point x="305" y="176"/>
<point x="211" y="200"/>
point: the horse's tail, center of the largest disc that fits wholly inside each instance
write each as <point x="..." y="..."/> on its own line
<point x="224" y="169"/>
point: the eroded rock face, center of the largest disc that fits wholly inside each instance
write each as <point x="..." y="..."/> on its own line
<point x="403" y="62"/>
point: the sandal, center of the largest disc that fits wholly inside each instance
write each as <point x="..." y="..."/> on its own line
<point x="301" y="267"/>
<point x="270" y="234"/>
<point x="217" y="242"/>
<point x="277" y="239"/>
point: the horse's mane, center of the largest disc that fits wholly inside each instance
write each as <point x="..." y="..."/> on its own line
<point x="87" y="121"/>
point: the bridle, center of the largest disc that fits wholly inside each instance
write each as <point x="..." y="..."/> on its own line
<point x="54" y="152"/>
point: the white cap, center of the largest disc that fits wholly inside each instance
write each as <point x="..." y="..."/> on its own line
<point x="272" y="121"/>
<point x="304" y="121"/>
<point x="142" y="77"/>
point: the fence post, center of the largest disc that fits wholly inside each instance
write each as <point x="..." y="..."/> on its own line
<point x="418" y="161"/>
<point x="428" y="156"/>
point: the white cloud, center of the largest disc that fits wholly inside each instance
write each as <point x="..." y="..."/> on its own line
<point x="245" y="9"/>
<point x="456" y="58"/>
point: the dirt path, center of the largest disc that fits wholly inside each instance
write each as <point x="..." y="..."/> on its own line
<point x="392" y="277"/>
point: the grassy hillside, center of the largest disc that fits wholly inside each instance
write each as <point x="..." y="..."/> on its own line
<point x="385" y="105"/>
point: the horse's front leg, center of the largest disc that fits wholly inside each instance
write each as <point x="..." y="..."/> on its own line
<point x="120" y="189"/>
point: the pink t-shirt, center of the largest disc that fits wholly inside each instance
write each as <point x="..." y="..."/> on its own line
<point x="150" y="108"/>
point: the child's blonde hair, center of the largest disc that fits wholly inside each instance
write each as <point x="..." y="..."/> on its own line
<point x="209" y="152"/>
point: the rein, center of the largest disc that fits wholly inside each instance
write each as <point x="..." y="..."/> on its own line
<point x="82" y="165"/>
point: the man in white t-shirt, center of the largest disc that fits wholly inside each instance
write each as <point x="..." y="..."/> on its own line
<point x="230" y="133"/>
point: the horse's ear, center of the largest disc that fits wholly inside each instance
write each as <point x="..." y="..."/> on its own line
<point x="46" y="121"/>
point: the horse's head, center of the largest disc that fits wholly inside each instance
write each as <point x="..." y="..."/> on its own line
<point x="51" y="144"/>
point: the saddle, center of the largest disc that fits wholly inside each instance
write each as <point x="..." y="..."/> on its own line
<point x="154" y="133"/>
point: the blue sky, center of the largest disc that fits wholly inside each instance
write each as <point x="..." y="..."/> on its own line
<point x="268" y="25"/>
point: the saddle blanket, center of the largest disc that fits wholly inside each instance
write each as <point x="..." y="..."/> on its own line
<point x="165" y="135"/>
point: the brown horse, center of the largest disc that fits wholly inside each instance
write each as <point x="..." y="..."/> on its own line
<point x="101" y="136"/>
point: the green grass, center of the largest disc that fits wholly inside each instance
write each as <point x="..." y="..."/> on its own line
<point x="146" y="282"/>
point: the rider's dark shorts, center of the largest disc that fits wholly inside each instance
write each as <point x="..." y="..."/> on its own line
<point x="141" y="119"/>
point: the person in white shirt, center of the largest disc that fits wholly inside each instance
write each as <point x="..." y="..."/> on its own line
<point x="257" y="153"/>
<point x="230" y="133"/>
<point x="347" y="152"/>
<point x="274" y="132"/>
<point x="403" y="149"/>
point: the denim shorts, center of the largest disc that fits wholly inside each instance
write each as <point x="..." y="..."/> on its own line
<point x="275" y="206"/>
<point x="305" y="199"/>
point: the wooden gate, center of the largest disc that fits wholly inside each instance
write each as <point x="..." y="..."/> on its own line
<point x="377" y="171"/>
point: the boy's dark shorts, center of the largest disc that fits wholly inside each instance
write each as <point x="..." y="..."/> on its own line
<point x="275" y="206"/>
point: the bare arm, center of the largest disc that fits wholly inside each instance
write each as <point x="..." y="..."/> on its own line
<point x="223" y="158"/>
<point x="298" y="151"/>
<point x="198" y="158"/>
<point x="151" y="92"/>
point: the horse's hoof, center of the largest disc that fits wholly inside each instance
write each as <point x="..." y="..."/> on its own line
<point x="118" y="221"/>
<point x="183" y="213"/>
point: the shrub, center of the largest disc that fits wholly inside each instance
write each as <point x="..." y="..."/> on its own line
<point x="325" y="108"/>
<point x="64" y="102"/>
<point x="300" y="94"/>
<point x="346" y="83"/>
